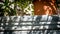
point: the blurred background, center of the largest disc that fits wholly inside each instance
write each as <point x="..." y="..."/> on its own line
<point x="29" y="7"/>
<point x="29" y="16"/>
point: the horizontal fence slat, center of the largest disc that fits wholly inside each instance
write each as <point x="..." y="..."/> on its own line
<point x="31" y="25"/>
<point x="31" y="29"/>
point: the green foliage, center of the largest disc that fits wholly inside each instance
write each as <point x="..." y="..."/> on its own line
<point x="5" y="7"/>
<point x="1" y="10"/>
<point x="23" y="3"/>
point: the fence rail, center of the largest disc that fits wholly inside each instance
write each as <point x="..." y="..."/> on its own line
<point x="29" y="23"/>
